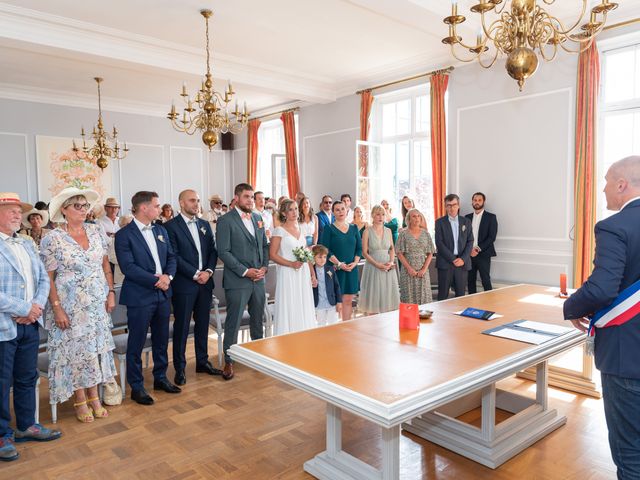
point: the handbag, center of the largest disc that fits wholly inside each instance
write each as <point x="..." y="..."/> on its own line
<point x="409" y="316"/>
<point x="112" y="394"/>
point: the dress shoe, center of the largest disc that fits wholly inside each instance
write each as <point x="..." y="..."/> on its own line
<point x="8" y="450"/>
<point x="207" y="368"/>
<point x="36" y="433"/>
<point x="166" y="386"/>
<point x="142" y="397"/>
<point x="227" y="374"/>
<point x="180" y="378"/>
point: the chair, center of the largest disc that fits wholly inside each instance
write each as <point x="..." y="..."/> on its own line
<point x="219" y="310"/>
<point x="43" y="371"/>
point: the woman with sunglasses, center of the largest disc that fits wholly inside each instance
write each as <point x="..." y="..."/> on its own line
<point x="81" y="297"/>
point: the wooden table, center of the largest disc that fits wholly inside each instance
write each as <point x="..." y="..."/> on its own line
<point x="422" y="379"/>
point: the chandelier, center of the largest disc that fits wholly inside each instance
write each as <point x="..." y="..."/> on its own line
<point x="523" y="30"/>
<point x="212" y="115"/>
<point x="102" y="149"/>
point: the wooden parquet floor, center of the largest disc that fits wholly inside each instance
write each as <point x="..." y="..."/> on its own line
<point x="254" y="428"/>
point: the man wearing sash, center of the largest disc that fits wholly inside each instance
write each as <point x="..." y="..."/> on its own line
<point x="608" y="307"/>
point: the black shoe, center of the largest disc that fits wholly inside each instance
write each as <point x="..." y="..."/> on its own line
<point x="180" y="378"/>
<point x="142" y="397"/>
<point x="166" y="386"/>
<point x="207" y="368"/>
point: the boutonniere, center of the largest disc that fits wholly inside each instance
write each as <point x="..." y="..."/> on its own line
<point x="260" y="223"/>
<point x="203" y="230"/>
<point x="330" y="274"/>
<point x="161" y="238"/>
<point x="464" y="227"/>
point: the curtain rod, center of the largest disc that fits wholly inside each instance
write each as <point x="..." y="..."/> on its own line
<point x="621" y="24"/>
<point x="428" y="74"/>
<point x="294" y="109"/>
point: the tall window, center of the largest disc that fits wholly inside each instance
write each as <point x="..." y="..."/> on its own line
<point x="620" y="111"/>
<point x="400" y="150"/>
<point x="272" y="164"/>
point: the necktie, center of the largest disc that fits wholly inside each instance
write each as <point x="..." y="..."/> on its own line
<point x="246" y="216"/>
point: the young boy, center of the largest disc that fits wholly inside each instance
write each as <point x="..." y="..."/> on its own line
<point x="327" y="295"/>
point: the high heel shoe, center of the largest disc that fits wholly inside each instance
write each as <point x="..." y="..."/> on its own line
<point x="86" y="417"/>
<point x="99" y="412"/>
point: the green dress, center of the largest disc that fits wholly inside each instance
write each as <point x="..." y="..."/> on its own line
<point x="393" y="226"/>
<point x="345" y="246"/>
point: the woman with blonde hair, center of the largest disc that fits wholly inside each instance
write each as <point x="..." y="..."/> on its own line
<point x="358" y="219"/>
<point x="379" y="287"/>
<point x="415" y="251"/>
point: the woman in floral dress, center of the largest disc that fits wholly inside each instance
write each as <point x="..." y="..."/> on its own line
<point x="415" y="251"/>
<point x="77" y="316"/>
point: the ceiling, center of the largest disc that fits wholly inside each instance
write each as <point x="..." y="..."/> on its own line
<point x="277" y="52"/>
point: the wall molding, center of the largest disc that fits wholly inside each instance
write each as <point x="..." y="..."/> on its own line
<point x="174" y="195"/>
<point x="27" y="162"/>
<point x="164" y="169"/>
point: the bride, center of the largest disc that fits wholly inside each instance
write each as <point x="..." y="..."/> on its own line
<point x="294" y="307"/>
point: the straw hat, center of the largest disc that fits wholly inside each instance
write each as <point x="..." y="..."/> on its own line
<point x="215" y="197"/>
<point x="56" y="203"/>
<point x="10" y="198"/>
<point x="43" y="214"/>
<point x="111" y="202"/>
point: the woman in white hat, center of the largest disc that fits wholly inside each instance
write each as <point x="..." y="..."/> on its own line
<point x="80" y="343"/>
<point x="33" y="222"/>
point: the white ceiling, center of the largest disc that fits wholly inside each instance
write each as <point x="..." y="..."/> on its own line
<point x="277" y="52"/>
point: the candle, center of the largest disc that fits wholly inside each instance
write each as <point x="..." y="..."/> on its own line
<point x="479" y="36"/>
<point x="184" y="88"/>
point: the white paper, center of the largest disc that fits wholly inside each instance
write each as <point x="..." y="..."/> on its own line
<point x="522" y="335"/>
<point x="492" y="317"/>
<point x="543" y="327"/>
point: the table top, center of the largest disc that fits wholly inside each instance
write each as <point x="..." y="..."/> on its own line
<point x="375" y="362"/>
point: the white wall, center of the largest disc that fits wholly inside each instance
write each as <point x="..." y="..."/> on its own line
<point x="160" y="158"/>
<point x="518" y="148"/>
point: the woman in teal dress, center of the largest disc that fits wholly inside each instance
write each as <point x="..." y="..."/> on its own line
<point x="390" y="221"/>
<point x="345" y="249"/>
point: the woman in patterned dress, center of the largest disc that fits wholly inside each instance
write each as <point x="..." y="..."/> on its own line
<point x="82" y="296"/>
<point x="415" y="251"/>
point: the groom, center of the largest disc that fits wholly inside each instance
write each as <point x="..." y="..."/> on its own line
<point x="243" y="247"/>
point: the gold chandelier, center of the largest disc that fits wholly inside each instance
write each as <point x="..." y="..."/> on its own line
<point x="522" y="30"/>
<point x="102" y="149"/>
<point x="213" y="116"/>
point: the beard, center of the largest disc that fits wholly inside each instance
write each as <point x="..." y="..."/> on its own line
<point x="478" y="206"/>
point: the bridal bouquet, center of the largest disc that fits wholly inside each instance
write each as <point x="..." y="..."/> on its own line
<point x="302" y="254"/>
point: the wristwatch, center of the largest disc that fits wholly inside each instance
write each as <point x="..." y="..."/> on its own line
<point x="171" y="277"/>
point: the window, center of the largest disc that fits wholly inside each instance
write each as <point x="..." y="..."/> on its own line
<point x="620" y="112"/>
<point x="399" y="152"/>
<point x="272" y="165"/>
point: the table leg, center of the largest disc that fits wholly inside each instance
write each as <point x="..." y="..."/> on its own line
<point x="391" y="453"/>
<point x="334" y="430"/>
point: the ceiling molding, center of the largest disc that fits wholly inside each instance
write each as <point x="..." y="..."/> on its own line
<point x="37" y="29"/>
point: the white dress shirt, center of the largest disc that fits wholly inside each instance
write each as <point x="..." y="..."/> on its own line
<point x="267" y="218"/>
<point x="16" y="245"/>
<point x="475" y="226"/>
<point x="455" y="225"/>
<point x="110" y="227"/>
<point x="247" y="221"/>
<point x="349" y="215"/>
<point x="192" y="225"/>
<point x="147" y="233"/>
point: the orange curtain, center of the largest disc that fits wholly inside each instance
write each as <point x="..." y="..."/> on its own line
<point x="293" y="177"/>
<point x="252" y="152"/>
<point x="588" y="89"/>
<point x="439" y="82"/>
<point x="366" y="101"/>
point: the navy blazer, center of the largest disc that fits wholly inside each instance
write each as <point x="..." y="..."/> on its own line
<point x="487" y="233"/>
<point x="323" y="221"/>
<point x="138" y="267"/>
<point x="444" y="242"/>
<point x="187" y="254"/>
<point x="616" y="266"/>
<point x="334" y="295"/>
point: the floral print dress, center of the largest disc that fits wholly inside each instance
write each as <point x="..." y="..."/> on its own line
<point x="80" y="356"/>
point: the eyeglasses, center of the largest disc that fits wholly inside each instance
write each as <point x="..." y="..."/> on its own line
<point x="450" y="205"/>
<point x="80" y="206"/>
<point x="216" y="202"/>
<point x="327" y="201"/>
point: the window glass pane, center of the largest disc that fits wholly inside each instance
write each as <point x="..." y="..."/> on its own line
<point x="422" y="187"/>
<point x="620" y="80"/>
<point x="402" y="169"/>
<point x="389" y="120"/>
<point x="270" y="141"/>
<point x="423" y="114"/>
<point x="403" y="116"/>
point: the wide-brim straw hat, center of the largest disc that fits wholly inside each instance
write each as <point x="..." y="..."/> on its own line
<point x="11" y="198"/>
<point x="55" y="206"/>
<point x="43" y="214"/>
<point x="111" y="202"/>
<point x="216" y="197"/>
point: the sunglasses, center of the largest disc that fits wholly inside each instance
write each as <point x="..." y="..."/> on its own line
<point x="80" y="206"/>
<point x="216" y="202"/>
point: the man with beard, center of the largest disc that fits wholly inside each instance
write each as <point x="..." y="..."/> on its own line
<point x="244" y="250"/>
<point x="485" y="229"/>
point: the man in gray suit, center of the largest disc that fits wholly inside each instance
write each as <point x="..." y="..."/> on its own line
<point x="454" y="241"/>
<point x="243" y="247"/>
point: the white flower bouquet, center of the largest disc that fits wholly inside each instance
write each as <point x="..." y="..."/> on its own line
<point x="302" y="254"/>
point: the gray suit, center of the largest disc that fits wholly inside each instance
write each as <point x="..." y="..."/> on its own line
<point x="239" y="251"/>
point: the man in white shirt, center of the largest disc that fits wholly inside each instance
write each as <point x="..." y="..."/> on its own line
<point x="267" y="218"/>
<point x="215" y="212"/>
<point x="485" y="229"/>
<point x="110" y="221"/>
<point x="346" y="199"/>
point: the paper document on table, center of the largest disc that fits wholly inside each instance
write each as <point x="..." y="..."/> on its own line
<point x="522" y="335"/>
<point x="543" y="327"/>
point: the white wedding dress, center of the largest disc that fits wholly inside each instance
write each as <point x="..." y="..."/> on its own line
<point x="294" y="306"/>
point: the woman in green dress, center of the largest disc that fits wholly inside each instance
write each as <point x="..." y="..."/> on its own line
<point x="343" y="241"/>
<point x="390" y="221"/>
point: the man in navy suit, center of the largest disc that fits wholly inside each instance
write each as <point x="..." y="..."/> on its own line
<point x="616" y="267"/>
<point x="325" y="215"/>
<point x="148" y="263"/>
<point x="192" y="242"/>
<point x="454" y="241"/>
<point x="484" y="226"/>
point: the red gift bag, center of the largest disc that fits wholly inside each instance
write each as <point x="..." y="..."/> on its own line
<point x="409" y="316"/>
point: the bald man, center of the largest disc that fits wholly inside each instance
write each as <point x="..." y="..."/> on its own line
<point x="612" y="295"/>
<point x="193" y="243"/>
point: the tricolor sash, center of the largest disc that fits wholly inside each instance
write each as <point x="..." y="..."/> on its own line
<point x="624" y="308"/>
